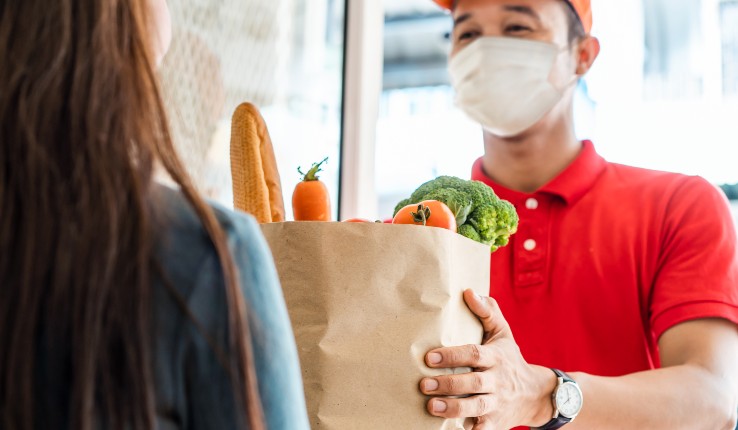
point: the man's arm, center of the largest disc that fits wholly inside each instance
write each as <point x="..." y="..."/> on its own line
<point x="697" y="387"/>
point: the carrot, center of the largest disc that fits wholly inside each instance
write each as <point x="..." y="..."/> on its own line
<point x="311" y="201"/>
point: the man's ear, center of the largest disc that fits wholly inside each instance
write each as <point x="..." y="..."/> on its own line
<point x="589" y="49"/>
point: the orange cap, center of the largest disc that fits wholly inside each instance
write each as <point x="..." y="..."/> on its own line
<point x="583" y="8"/>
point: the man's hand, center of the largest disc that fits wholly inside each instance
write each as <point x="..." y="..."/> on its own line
<point x="504" y="390"/>
<point x="696" y="388"/>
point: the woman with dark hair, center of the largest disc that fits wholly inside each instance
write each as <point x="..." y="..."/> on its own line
<point x="123" y="304"/>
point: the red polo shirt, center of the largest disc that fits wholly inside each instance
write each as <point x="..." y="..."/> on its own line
<point x="608" y="257"/>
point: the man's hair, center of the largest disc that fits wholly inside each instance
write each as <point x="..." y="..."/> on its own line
<point x="576" y="28"/>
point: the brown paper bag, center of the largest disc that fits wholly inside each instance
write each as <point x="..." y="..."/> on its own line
<point x="367" y="302"/>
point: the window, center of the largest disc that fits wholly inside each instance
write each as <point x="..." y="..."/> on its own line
<point x="284" y="56"/>
<point x="674" y="61"/>
<point x="729" y="28"/>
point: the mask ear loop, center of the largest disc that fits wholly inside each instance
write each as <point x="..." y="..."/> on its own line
<point x="574" y="81"/>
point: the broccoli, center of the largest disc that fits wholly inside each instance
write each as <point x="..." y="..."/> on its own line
<point x="480" y="215"/>
<point x="468" y="231"/>
<point x="442" y="182"/>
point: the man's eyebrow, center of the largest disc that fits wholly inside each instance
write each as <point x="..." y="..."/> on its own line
<point x="525" y="10"/>
<point x="461" y="19"/>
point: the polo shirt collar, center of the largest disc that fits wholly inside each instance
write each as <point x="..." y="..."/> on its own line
<point x="570" y="185"/>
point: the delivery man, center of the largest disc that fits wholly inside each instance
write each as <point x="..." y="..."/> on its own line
<point x="626" y="279"/>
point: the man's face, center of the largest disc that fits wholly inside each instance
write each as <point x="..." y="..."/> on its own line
<point x="540" y="20"/>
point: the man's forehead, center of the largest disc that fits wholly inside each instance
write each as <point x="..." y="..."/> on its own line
<point x="535" y="9"/>
<point x="475" y="4"/>
<point x="468" y="8"/>
<point x="582" y="8"/>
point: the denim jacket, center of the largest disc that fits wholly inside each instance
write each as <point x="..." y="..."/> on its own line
<point x="193" y="389"/>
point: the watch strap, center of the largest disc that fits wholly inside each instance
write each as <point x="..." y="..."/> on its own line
<point x="555" y="423"/>
<point x="559" y="421"/>
<point x="562" y="375"/>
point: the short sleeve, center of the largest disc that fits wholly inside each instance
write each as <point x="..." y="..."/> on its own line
<point x="277" y="362"/>
<point x="697" y="273"/>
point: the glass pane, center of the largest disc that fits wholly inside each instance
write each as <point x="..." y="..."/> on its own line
<point x="285" y="56"/>
<point x="673" y="62"/>
<point x="420" y="134"/>
<point x="729" y="27"/>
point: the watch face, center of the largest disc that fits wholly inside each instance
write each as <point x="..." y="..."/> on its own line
<point x="569" y="400"/>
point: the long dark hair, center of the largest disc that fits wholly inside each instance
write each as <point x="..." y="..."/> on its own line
<point x="82" y="127"/>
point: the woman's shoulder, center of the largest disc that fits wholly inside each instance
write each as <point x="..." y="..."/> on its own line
<point x="182" y="244"/>
<point x="175" y="214"/>
<point x="187" y="259"/>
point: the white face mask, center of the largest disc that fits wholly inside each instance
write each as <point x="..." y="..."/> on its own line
<point x="504" y="83"/>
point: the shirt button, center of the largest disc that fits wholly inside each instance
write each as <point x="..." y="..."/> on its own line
<point x="530" y="245"/>
<point x="531" y="204"/>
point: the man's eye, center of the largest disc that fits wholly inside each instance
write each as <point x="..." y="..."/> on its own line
<point x="467" y="35"/>
<point x="517" y="29"/>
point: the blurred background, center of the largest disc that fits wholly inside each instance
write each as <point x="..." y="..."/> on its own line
<point x="663" y="94"/>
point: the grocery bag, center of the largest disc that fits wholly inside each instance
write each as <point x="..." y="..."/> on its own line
<point x="367" y="301"/>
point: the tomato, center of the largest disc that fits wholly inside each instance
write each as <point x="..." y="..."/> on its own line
<point x="360" y="220"/>
<point x="436" y="214"/>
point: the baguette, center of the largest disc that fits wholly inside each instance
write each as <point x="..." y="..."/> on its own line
<point x="257" y="187"/>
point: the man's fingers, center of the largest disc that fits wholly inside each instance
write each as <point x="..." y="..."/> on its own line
<point x="475" y="356"/>
<point x="457" y="385"/>
<point x="470" y="407"/>
<point x="488" y="312"/>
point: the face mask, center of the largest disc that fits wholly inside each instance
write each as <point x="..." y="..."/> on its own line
<point x="503" y="83"/>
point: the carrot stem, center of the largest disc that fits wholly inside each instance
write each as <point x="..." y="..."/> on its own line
<point x="312" y="174"/>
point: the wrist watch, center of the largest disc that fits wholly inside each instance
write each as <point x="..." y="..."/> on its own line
<point x="567" y="402"/>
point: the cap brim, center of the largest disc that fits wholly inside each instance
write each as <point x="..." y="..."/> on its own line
<point x="446" y="4"/>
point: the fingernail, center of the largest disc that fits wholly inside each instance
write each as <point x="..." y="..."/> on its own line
<point x="439" y="406"/>
<point x="430" y="385"/>
<point x="434" y="358"/>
